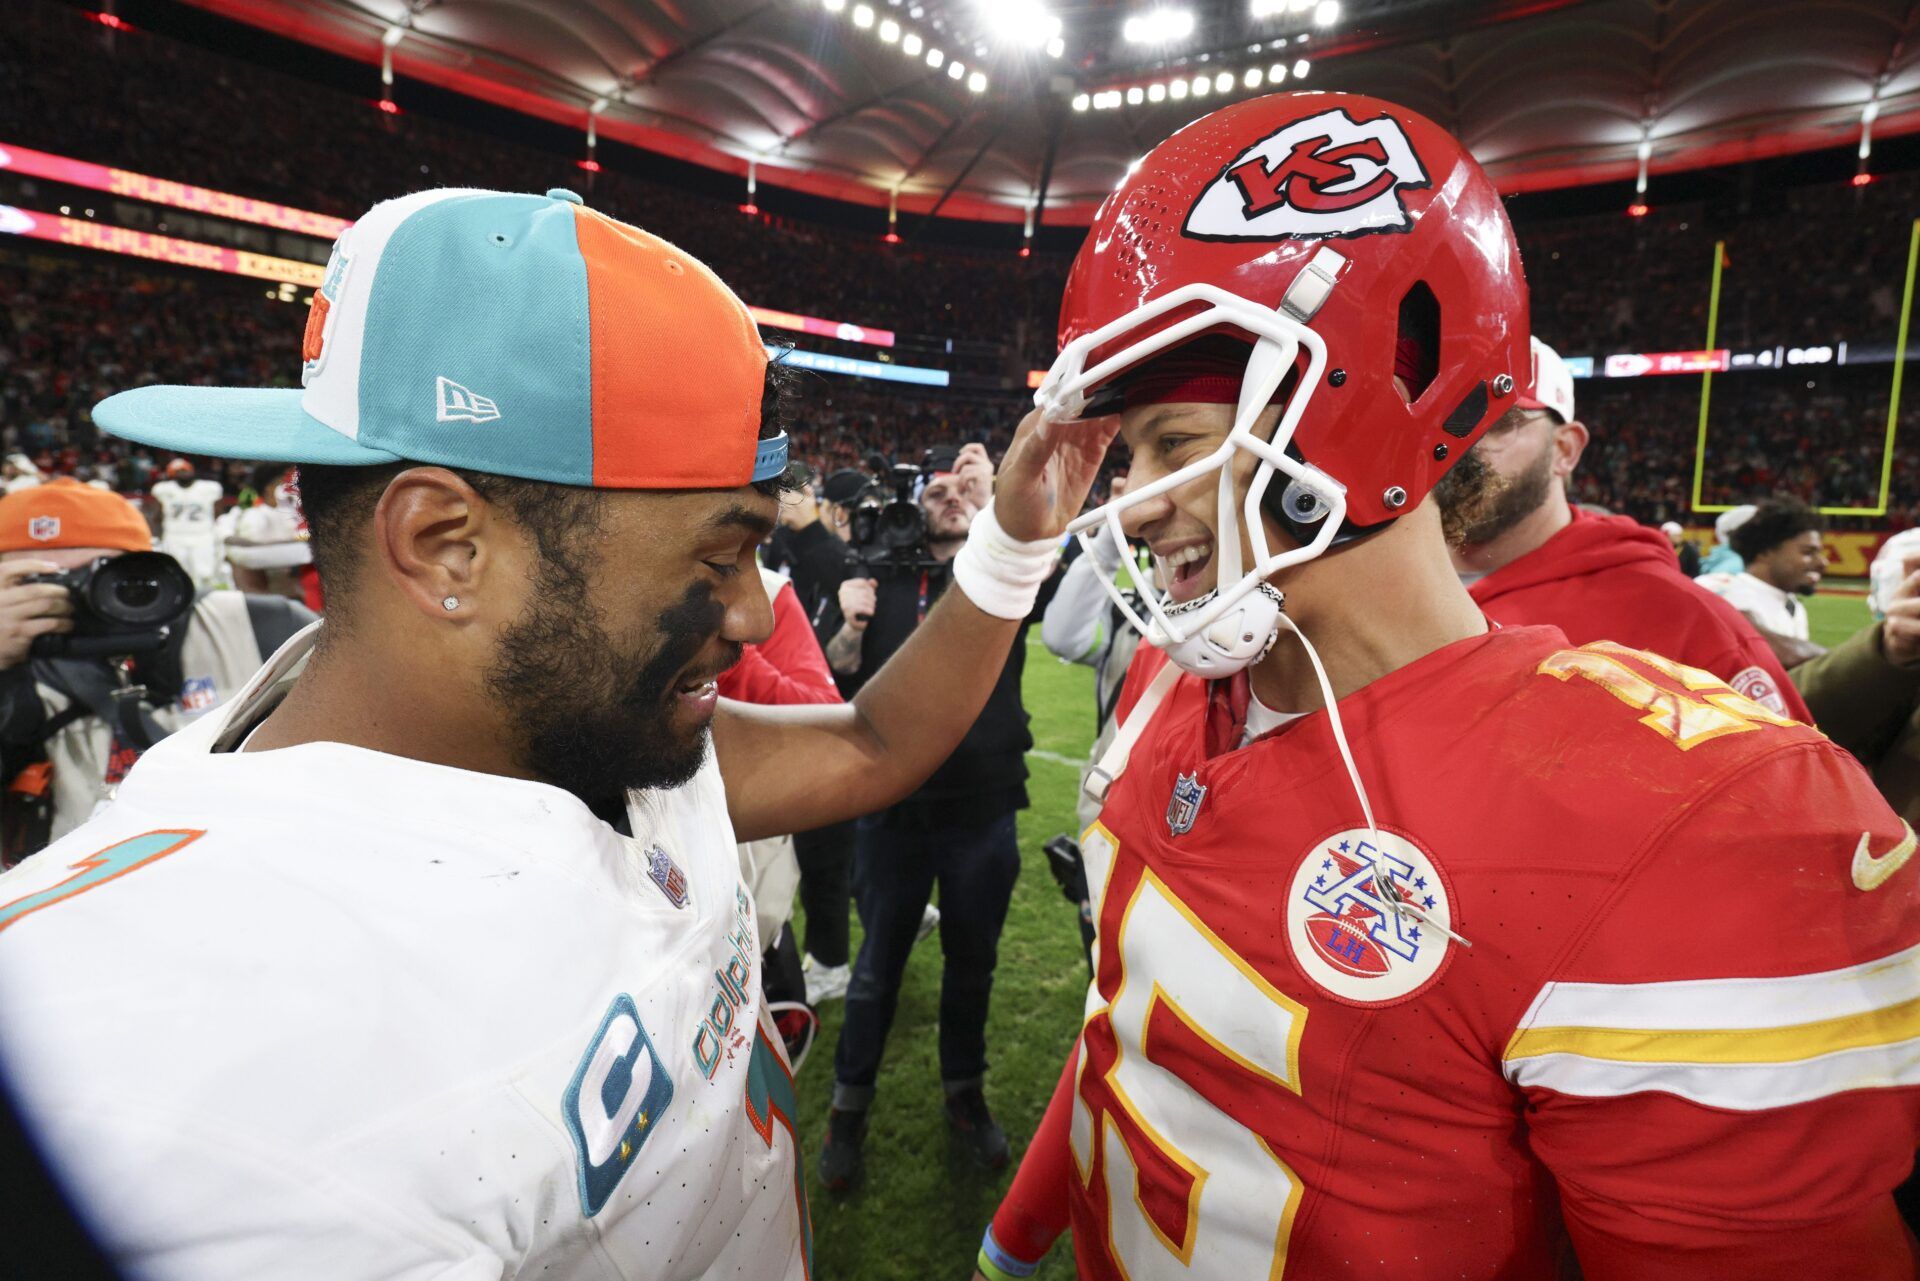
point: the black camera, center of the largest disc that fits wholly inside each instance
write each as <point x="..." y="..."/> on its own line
<point x="888" y="526"/>
<point x="122" y="605"/>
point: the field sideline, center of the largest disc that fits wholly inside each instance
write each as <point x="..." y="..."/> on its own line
<point x="918" y="1217"/>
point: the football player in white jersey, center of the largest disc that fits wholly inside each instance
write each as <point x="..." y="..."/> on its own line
<point x="427" y="955"/>
<point x="187" y="528"/>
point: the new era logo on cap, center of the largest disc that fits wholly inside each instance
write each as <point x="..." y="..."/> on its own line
<point x="456" y="404"/>
<point x="626" y="362"/>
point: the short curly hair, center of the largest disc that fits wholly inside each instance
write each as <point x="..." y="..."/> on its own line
<point x="1775" y="521"/>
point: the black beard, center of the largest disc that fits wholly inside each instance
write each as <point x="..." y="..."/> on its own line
<point x="593" y="716"/>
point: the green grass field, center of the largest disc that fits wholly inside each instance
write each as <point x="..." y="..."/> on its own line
<point x="919" y="1216"/>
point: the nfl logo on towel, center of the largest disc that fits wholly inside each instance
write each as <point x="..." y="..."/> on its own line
<point x="1185" y="805"/>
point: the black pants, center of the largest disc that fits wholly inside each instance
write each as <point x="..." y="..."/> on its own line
<point x="894" y="874"/>
<point x="825" y="856"/>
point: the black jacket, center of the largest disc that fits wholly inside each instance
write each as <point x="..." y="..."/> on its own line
<point x="987" y="774"/>
<point x="819" y="562"/>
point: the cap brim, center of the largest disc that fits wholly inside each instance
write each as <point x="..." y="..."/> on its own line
<point x="265" y="423"/>
<point x="1528" y="402"/>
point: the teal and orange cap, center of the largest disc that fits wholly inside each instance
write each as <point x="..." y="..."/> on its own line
<point x="517" y="335"/>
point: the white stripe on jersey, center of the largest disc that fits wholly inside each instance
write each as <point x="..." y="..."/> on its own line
<point x="1741" y="1043"/>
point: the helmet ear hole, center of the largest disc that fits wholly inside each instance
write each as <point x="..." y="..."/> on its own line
<point x="1416" y="352"/>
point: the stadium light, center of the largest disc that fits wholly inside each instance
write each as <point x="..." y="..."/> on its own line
<point x="1200" y="86"/>
<point x="1277" y="74"/>
<point x="1326" y="13"/>
<point x="977" y="82"/>
<point x="834" y="6"/>
<point x="1156" y="92"/>
<point x="1223" y="81"/>
<point x="1267" y="9"/>
<point x="935" y="58"/>
<point x="1177" y="90"/>
<point x="1020" y="21"/>
<point x="1158" y="26"/>
<point x="1636" y="210"/>
<point x="1862" y="178"/>
<point x="956" y="69"/>
<point x="1299" y="6"/>
<point x="1056" y="47"/>
<point x="1253" y="78"/>
<point x="862" y="15"/>
<point x="1081" y="102"/>
<point x="1301" y="68"/>
<point x="890" y="31"/>
<point x="911" y="45"/>
<point x="389" y="106"/>
<point x="1135" y="96"/>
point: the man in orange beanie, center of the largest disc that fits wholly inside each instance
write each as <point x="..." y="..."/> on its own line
<point x="71" y="726"/>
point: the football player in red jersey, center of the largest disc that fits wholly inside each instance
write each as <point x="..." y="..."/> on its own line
<point x="1441" y="950"/>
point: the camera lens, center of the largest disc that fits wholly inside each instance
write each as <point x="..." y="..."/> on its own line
<point x="140" y="589"/>
<point x="136" y="595"/>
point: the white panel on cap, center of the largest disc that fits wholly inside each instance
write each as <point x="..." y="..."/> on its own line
<point x="333" y="394"/>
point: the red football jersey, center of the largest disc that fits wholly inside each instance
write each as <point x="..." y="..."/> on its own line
<point x="1684" y="1041"/>
<point x="1612" y="578"/>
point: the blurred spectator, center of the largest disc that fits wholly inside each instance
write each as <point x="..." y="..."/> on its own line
<point x="1722" y="559"/>
<point x="1685" y="553"/>
<point x="1865" y="691"/>
<point x="71" y="725"/>
<point x="1529" y="556"/>
<point x="1780" y="546"/>
<point x="785" y="669"/>
<point x="956" y="831"/>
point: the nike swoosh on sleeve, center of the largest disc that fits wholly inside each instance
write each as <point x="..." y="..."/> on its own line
<point x="1871" y="872"/>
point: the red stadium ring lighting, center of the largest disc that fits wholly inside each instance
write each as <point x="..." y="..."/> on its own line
<point x="591" y="166"/>
<point x="749" y="208"/>
<point x="1862" y="178"/>
<point x="112" y="20"/>
<point x="891" y="238"/>
<point x="1636" y="210"/>
<point x="389" y="106"/>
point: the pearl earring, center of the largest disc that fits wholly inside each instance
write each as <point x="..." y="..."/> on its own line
<point x="450" y="603"/>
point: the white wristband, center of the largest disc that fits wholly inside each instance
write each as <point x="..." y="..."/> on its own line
<point x="1000" y="574"/>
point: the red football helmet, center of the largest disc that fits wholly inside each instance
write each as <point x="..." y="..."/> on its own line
<point x="1317" y="226"/>
<point x="179" y="469"/>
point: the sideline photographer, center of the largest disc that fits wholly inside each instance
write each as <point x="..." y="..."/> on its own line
<point x="957" y="831"/>
<point x="103" y="652"/>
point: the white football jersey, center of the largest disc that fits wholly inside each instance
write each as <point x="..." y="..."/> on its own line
<point x="186" y="511"/>
<point x="326" y="1013"/>
<point x="1779" y="612"/>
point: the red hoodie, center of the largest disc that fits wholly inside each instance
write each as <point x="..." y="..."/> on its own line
<point x="1611" y="578"/>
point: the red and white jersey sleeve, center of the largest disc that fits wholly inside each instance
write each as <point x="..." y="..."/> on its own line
<point x="1733" y="1045"/>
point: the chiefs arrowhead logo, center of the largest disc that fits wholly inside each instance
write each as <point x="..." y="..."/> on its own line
<point x="1326" y="175"/>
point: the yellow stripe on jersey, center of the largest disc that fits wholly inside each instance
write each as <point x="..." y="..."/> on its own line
<point x="1745" y="1043"/>
<point x="1733" y="1045"/>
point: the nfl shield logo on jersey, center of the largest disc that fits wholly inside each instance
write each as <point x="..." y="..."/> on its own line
<point x="1347" y="936"/>
<point x="664" y="872"/>
<point x="1188" y="793"/>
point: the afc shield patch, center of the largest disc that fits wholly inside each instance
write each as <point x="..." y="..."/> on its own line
<point x="1184" y="806"/>
<point x="1346" y="937"/>
<point x="1326" y="175"/>
<point x="43" y="529"/>
<point x="616" y="1099"/>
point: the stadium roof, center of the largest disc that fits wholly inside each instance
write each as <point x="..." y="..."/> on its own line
<point x="839" y="98"/>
